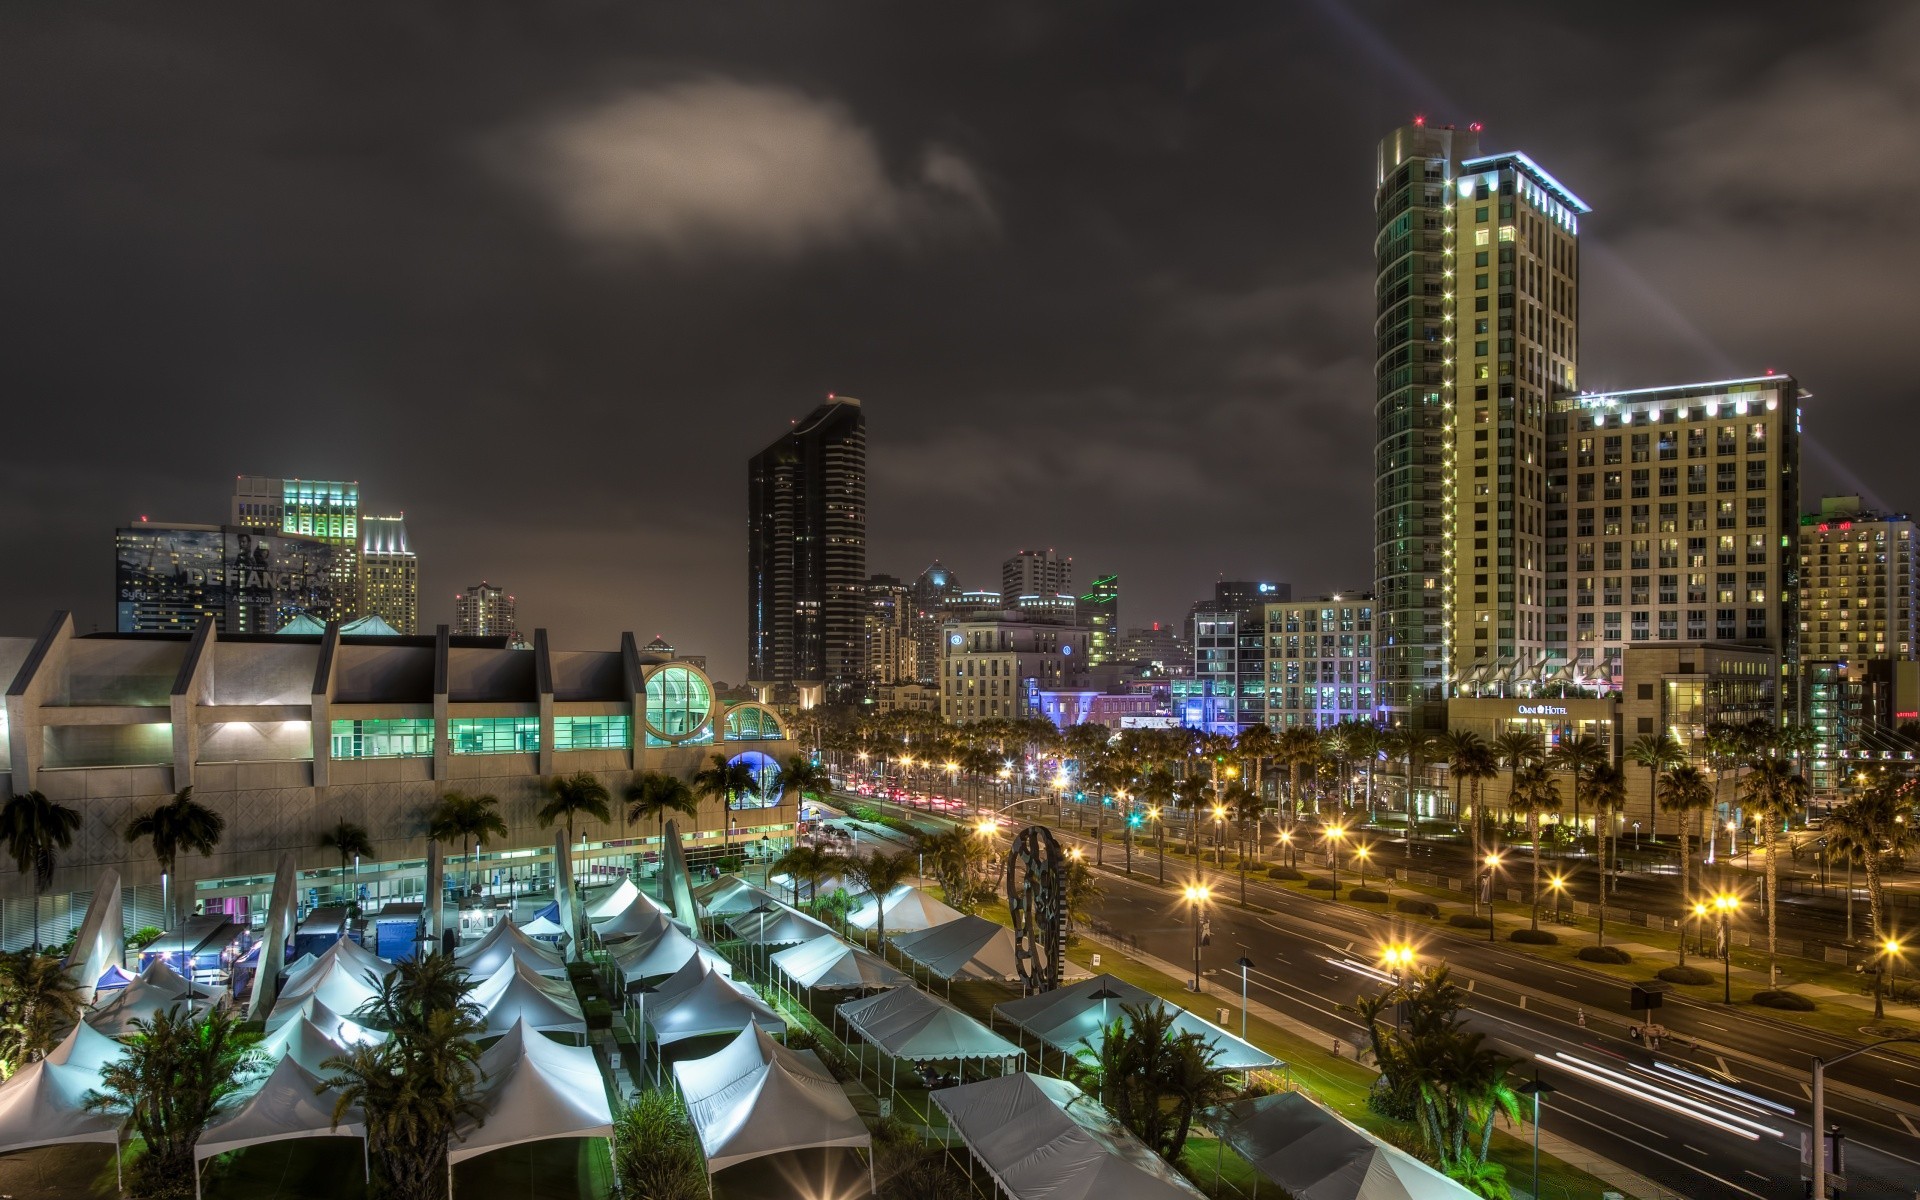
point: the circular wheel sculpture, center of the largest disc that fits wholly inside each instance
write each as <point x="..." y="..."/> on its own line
<point x="1037" y="899"/>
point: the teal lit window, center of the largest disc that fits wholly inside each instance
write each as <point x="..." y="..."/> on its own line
<point x="494" y="735"/>
<point x="751" y="723"/>
<point x="398" y="737"/>
<point x="679" y="706"/>
<point x="592" y="733"/>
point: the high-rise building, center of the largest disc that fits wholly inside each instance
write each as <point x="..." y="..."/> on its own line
<point x="325" y="509"/>
<point x="933" y="586"/>
<point x="485" y="610"/>
<point x="807" y="558"/>
<point x="1859" y="583"/>
<point x="1320" y="661"/>
<point x="1476" y="330"/>
<point x="169" y="576"/>
<point x="1672" y="515"/>
<point x="1035" y="573"/>
<point x="1099" y="613"/>
<point x="1157" y="651"/>
<point x="1229" y="670"/>
<point x="389" y="573"/>
<point x="890" y="652"/>
<point x="1248" y="597"/>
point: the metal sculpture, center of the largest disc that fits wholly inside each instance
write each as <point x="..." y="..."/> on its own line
<point x="1037" y="900"/>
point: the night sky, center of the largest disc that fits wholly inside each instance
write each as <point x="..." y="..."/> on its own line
<point x="545" y="275"/>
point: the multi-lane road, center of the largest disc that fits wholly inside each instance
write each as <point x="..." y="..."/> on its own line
<point x="1718" y="1110"/>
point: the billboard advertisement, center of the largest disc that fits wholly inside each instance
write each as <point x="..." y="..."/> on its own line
<point x="248" y="580"/>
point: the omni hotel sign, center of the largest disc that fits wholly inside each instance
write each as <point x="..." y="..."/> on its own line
<point x="1541" y="710"/>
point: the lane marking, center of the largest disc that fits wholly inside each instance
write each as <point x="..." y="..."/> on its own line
<point x="1695" y="1149"/>
<point x="1912" y="1130"/>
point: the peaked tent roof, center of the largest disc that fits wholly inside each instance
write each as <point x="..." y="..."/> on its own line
<point x="783" y="928"/>
<point x="828" y="885"/>
<point x="970" y="947"/>
<point x="641" y="959"/>
<point x="337" y="1028"/>
<point x="139" y="1000"/>
<point x="160" y="974"/>
<point x="303" y="625"/>
<point x="112" y="979"/>
<point x="639" y="920"/>
<point x="290" y="1104"/>
<point x="300" y="966"/>
<point x="733" y="896"/>
<point x="303" y="1042"/>
<point x="1068" y="1017"/>
<point x="908" y="909"/>
<point x="543" y="929"/>
<point x="908" y="1023"/>
<point x="371" y="625"/>
<point x="86" y="1048"/>
<point x="505" y="943"/>
<point x="755" y="1097"/>
<point x="535" y="1089"/>
<point x="1315" y="1155"/>
<point x="615" y="901"/>
<point x="514" y="995"/>
<point x="45" y="1104"/>
<point x="828" y="964"/>
<point x="1044" y="1138"/>
<point x="698" y="1001"/>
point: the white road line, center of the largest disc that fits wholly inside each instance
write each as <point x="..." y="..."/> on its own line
<point x="1758" y="1175"/>
<point x="1562" y="1111"/>
<point x="1721" y="1028"/>
<point x="1904" y="1120"/>
<point x="1695" y="1149"/>
<point x="1721" y="1059"/>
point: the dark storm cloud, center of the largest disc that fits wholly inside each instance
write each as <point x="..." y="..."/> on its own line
<point x="544" y="276"/>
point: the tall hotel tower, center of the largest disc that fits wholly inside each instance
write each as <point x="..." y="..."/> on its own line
<point x="1476" y="330"/>
<point x="807" y="558"/>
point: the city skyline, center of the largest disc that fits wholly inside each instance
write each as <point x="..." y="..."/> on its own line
<point x="1218" y="293"/>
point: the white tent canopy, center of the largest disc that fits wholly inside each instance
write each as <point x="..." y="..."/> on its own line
<point x="142" y="1000"/>
<point x="733" y="896"/>
<point x="515" y="995"/>
<point x="534" y="1090"/>
<point x="86" y="1048"/>
<point x="828" y="885"/>
<point x="160" y="974"/>
<point x="640" y="959"/>
<point x="290" y="1104"/>
<point x="907" y="1023"/>
<point x="543" y="929"/>
<point x="783" y="928"/>
<point x="1069" y="1017"/>
<point x="300" y="966"/>
<point x="755" y="1097"/>
<point x="1315" y="1155"/>
<point x="1043" y="1138"/>
<point x="337" y="1028"/>
<point x="45" y="1104"/>
<point x="697" y="1001"/>
<point x="969" y="948"/>
<point x="301" y="1042"/>
<point x="828" y="964"/>
<point x="908" y="910"/>
<point x="623" y="896"/>
<point x="344" y="978"/>
<point x="637" y="922"/>
<point x="506" y="943"/>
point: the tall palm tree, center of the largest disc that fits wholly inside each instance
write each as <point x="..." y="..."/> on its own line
<point x="1299" y="747"/>
<point x="655" y="795"/>
<point x="1771" y="792"/>
<point x="1256" y="744"/>
<point x="798" y="780"/>
<point x="1684" y="792"/>
<point x="1873" y="827"/>
<point x="1459" y="746"/>
<point x="879" y="873"/>
<point x="39" y="1002"/>
<point x="1722" y="743"/>
<point x="1655" y="752"/>
<point x="349" y="841"/>
<point x="36" y="829"/>
<point x="1579" y="756"/>
<point x="726" y="781"/>
<point x="805" y="864"/>
<point x="1607" y="787"/>
<point x="1534" y="792"/>
<point x="1516" y="748"/>
<point x="468" y="821"/>
<point x="1415" y="748"/>
<point x="576" y="795"/>
<point x="177" y="1071"/>
<point x="1157" y="788"/>
<point x="1366" y="742"/>
<point x="1474" y="764"/>
<point x="182" y="823"/>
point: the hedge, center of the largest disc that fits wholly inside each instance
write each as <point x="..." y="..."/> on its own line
<point x="1604" y="954"/>
<point x="1422" y="908"/>
<point x="1534" y="937"/>
<point x="1684" y="975"/>
<point x="1321" y="884"/>
<point x="1791" y="1001"/>
<point x="1272" y="873"/>
<point x="1367" y="895"/>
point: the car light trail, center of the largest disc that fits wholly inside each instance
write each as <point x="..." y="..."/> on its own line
<point x="1362" y="969"/>
<point x="1674" y="1102"/>
<point x="1734" y="1094"/>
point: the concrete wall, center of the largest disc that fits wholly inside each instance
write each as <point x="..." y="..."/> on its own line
<point x="586" y="675"/>
<point x="256" y="674"/>
<point x="119" y="671"/>
<point x="483" y="675"/>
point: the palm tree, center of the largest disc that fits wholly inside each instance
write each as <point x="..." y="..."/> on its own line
<point x="182" y="823"/>
<point x="805" y="864"/>
<point x="1415" y="748"/>
<point x="1458" y="746"/>
<point x="726" y="781"/>
<point x="1534" y="792"/>
<point x="348" y="841"/>
<point x="36" y="829"/>
<point x="1474" y="763"/>
<point x="579" y="794"/>
<point x="798" y="780"/>
<point x="1656" y="752"/>
<point x="1299" y="747"/>
<point x="1608" y="789"/>
<point x="1723" y="744"/>
<point x="1684" y="792"/>
<point x="1516" y="748"/>
<point x="1256" y="744"/>
<point x="879" y="873"/>
<point x="1870" y="829"/>
<point x="467" y="820"/>
<point x="1579" y="756"/>
<point x="1772" y="791"/>
<point x="1157" y="788"/>
<point x="39" y="1001"/>
<point x="177" y="1071"/>
<point x="1151" y="1076"/>
<point x="655" y="795"/>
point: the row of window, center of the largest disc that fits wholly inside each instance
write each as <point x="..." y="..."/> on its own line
<point x="412" y="737"/>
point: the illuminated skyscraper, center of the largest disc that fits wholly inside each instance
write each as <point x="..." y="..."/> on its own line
<point x="1476" y="330"/>
<point x="484" y="610"/>
<point x="389" y="573"/>
<point x="807" y="558"/>
<point x="314" y="508"/>
<point x="1035" y="573"/>
<point x="1100" y="616"/>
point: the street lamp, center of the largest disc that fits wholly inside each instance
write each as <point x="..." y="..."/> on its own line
<point x="1399" y="959"/>
<point x="1493" y="867"/>
<point x="1726" y="904"/>
<point x="1361" y="852"/>
<point x="1159" y="839"/>
<point x="1219" y="829"/>
<point x="1537" y="1088"/>
<point x="1557" y="883"/>
<point x="1700" y="911"/>
<point x="1889" y="975"/>
<point x="1286" y="843"/>
<point x="1197" y="895"/>
<point x="1245" y="964"/>
<point x="1334" y="834"/>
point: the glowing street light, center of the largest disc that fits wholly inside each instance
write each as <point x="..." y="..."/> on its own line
<point x="1398" y="957"/>
<point x="1197" y="895"/>
<point x="1362" y="852"/>
<point x="1333" y="835"/>
<point x="1726" y="904"/>
<point x="1492" y="862"/>
<point x="1889" y="974"/>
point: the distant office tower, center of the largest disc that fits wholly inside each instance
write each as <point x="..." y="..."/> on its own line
<point x="890" y="652"/>
<point x="1476" y="330"/>
<point x="323" y="509"/>
<point x="1157" y="650"/>
<point x="929" y="591"/>
<point x="997" y="666"/>
<point x="1035" y="573"/>
<point x="167" y="577"/>
<point x="1248" y="597"/>
<point x="1859" y="583"/>
<point x="807" y="557"/>
<point x="484" y="610"/>
<point x="389" y="573"/>
<point x="1320" y="661"/>
<point x="1099" y="614"/>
